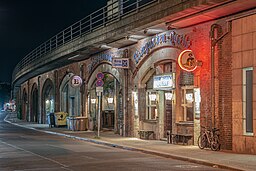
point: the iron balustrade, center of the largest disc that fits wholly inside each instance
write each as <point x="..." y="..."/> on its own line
<point x="110" y="13"/>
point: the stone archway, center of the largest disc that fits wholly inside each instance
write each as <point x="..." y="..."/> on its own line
<point x="24" y="104"/>
<point x="111" y="100"/>
<point x="34" y="104"/>
<point x="47" y="100"/>
<point x="70" y="97"/>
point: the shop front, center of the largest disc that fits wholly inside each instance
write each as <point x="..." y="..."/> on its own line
<point x="105" y="95"/>
<point x="168" y="97"/>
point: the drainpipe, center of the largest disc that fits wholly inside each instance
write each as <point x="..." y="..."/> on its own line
<point x="39" y="117"/>
<point x="215" y="38"/>
<point x="82" y="89"/>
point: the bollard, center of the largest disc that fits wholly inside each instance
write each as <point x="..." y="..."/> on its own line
<point x="168" y="137"/>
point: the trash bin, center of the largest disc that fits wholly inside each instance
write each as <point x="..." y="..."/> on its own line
<point x="51" y="119"/>
<point x="71" y="123"/>
<point x="60" y="118"/>
<point x="82" y="123"/>
<point x="168" y="133"/>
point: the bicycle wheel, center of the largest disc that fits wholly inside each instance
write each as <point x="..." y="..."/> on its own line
<point x="215" y="144"/>
<point x="202" y="141"/>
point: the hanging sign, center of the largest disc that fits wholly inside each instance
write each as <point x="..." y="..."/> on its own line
<point x="120" y="63"/>
<point x="187" y="61"/>
<point x="164" y="82"/>
<point x="76" y="81"/>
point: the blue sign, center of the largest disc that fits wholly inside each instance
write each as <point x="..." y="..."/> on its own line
<point x="120" y="63"/>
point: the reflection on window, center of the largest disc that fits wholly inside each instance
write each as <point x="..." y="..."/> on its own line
<point x="151" y="105"/>
<point x="187" y="103"/>
<point x="248" y="100"/>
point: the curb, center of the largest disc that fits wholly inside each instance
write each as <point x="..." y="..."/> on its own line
<point x="146" y="151"/>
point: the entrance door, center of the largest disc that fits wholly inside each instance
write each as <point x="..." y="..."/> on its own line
<point x="108" y="119"/>
<point x="168" y="116"/>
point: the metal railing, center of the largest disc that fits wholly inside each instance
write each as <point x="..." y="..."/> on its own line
<point x="110" y="13"/>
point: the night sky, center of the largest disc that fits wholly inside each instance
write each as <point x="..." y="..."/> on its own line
<point x="25" y="24"/>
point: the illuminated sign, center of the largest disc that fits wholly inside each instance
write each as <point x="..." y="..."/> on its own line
<point x="120" y="63"/>
<point x="76" y="81"/>
<point x="172" y="39"/>
<point x="187" y="60"/>
<point x="164" y="82"/>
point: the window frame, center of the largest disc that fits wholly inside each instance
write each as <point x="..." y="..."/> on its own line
<point x="244" y="101"/>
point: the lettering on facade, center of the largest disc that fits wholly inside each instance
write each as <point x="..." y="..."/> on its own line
<point x="173" y="39"/>
<point x="96" y="60"/>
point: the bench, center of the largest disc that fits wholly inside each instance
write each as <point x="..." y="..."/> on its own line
<point x="184" y="138"/>
<point x="145" y="134"/>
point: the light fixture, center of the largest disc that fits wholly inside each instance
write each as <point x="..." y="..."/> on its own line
<point x="47" y="101"/>
<point x="153" y="31"/>
<point x="105" y="46"/>
<point x="93" y="101"/>
<point x="132" y="39"/>
<point x="152" y="97"/>
<point x="168" y="96"/>
<point x="75" y="56"/>
<point x="189" y="97"/>
<point x="110" y="100"/>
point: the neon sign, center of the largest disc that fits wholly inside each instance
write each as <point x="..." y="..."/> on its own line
<point x="187" y="61"/>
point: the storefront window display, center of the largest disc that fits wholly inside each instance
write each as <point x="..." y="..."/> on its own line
<point x="187" y="103"/>
<point x="152" y="113"/>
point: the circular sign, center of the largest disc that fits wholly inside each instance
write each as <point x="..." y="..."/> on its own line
<point x="99" y="83"/>
<point x="76" y="81"/>
<point x="187" y="61"/>
<point x="100" y="75"/>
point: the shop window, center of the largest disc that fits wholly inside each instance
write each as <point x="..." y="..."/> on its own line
<point x="151" y="113"/>
<point x="187" y="102"/>
<point x="247" y="100"/>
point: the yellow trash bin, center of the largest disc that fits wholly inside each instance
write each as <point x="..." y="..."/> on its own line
<point x="60" y="118"/>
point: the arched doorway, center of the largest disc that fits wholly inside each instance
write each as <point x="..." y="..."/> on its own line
<point x="34" y="104"/>
<point x="111" y="100"/>
<point x="24" y="104"/>
<point x="70" y="97"/>
<point x="47" y="100"/>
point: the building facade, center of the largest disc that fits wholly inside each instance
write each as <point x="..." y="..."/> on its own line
<point x="177" y="80"/>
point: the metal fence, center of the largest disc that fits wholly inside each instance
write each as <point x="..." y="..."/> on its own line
<point x="112" y="12"/>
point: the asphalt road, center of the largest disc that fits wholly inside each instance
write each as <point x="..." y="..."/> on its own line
<point x="28" y="150"/>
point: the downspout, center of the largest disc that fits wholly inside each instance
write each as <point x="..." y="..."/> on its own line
<point x="39" y="117"/>
<point x="215" y="38"/>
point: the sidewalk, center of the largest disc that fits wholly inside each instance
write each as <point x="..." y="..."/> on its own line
<point x="219" y="159"/>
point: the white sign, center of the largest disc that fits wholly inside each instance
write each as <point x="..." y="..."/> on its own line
<point x="120" y="63"/>
<point x="99" y="89"/>
<point x="76" y="81"/>
<point x="164" y="82"/>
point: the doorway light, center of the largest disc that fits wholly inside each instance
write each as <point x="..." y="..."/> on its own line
<point x="93" y="101"/>
<point x="168" y="96"/>
<point x="110" y="100"/>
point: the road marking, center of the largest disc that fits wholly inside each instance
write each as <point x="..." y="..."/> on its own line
<point x="18" y="148"/>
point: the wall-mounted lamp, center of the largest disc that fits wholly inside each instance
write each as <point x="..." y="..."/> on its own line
<point x="93" y="101"/>
<point x="110" y="100"/>
<point x="152" y="97"/>
<point x="105" y="46"/>
<point x="189" y="97"/>
<point x="168" y="96"/>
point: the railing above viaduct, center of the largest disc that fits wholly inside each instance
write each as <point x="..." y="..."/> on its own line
<point x="107" y="14"/>
<point x="114" y="18"/>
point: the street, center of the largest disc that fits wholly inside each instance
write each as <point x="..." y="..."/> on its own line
<point x="25" y="149"/>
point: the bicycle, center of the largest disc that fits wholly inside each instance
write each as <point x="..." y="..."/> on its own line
<point x="209" y="139"/>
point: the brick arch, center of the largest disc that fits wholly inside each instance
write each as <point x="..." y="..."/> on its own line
<point x="47" y="94"/>
<point x="24" y="104"/>
<point x="34" y="103"/>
